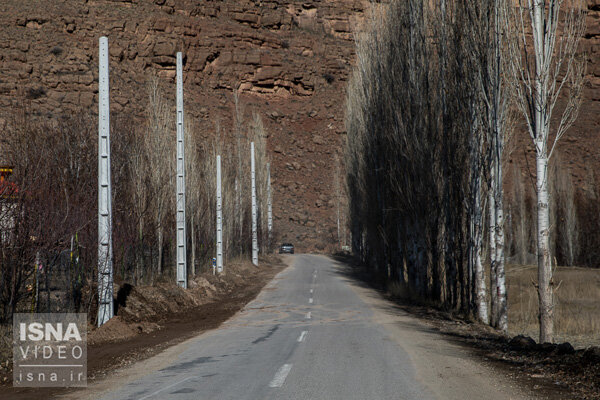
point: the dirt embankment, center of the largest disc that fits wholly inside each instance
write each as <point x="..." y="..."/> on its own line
<point x="151" y="318"/>
<point x="558" y="370"/>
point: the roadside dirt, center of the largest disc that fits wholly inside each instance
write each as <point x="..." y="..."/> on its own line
<point x="151" y="319"/>
<point x="548" y="371"/>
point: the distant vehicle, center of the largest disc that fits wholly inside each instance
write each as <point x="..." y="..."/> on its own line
<point x="286" y="248"/>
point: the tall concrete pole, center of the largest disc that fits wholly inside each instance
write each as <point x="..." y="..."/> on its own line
<point x="269" y="209"/>
<point x="105" y="251"/>
<point x="219" y="219"/>
<point x="254" y="233"/>
<point x="180" y="197"/>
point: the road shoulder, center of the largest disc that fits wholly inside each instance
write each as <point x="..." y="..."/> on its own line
<point x="122" y="376"/>
<point x="446" y="367"/>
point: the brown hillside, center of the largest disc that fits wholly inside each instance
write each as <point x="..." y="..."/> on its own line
<point x="291" y="60"/>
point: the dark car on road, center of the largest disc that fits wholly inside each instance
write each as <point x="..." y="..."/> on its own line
<point x="286" y="248"/>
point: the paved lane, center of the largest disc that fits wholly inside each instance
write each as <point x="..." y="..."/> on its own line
<point x="307" y="336"/>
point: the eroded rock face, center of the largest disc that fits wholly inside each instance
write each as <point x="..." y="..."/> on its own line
<point x="290" y="60"/>
<point x="281" y="48"/>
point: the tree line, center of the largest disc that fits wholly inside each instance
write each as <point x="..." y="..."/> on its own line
<point x="48" y="257"/>
<point x="437" y="92"/>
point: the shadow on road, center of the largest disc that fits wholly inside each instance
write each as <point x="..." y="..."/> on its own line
<point x="555" y="375"/>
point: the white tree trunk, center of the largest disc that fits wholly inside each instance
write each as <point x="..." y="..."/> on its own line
<point x="480" y="297"/>
<point x="500" y="289"/>
<point x="545" y="290"/>
<point x="492" y="252"/>
<point x="541" y="135"/>
<point x="482" y="306"/>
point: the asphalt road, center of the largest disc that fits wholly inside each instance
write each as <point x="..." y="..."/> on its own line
<point x="309" y="335"/>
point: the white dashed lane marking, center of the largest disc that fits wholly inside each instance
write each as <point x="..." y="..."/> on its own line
<point x="302" y="336"/>
<point x="280" y="376"/>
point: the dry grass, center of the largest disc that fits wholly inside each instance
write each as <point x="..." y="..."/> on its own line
<point x="577" y="304"/>
<point x="6" y="352"/>
<point x="5" y="342"/>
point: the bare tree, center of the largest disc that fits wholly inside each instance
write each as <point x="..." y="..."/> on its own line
<point x="564" y="239"/>
<point x="521" y="220"/>
<point x="238" y="122"/>
<point x="138" y="175"/>
<point x="569" y="233"/>
<point x="193" y="179"/>
<point x="207" y="208"/>
<point x="489" y="26"/>
<point x="49" y="199"/>
<point x="158" y="142"/>
<point x="410" y="121"/>
<point x="544" y="62"/>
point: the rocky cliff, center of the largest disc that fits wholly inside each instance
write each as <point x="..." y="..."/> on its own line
<point x="290" y="60"/>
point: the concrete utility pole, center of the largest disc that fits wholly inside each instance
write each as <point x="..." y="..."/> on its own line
<point x="180" y="198"/>
<point x="269" y="208"/>
<point x="219" y="219"/>
<point x="105" y="251"/>
<point x="254" y="234"/>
